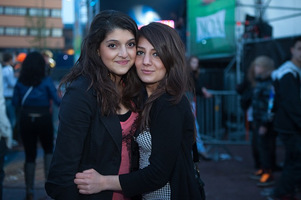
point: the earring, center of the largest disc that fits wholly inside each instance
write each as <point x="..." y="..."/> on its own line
<point x="98" y="52"/>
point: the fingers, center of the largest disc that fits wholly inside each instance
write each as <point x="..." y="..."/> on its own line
<point x="84" y="189"/>
<point x="85" y="173"/>
<point x="89" y="171"/>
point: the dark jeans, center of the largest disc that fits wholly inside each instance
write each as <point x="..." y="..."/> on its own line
<point x="267" y="148"/>
<point x="3" y="150"/>
<point x="32" y="129"/>
<point x="291" y="174"/>
<point x="255" y="146"/>
<point x="264" y="147"/>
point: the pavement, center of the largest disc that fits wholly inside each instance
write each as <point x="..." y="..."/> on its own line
<point x="14" y="184"/>
<point x="226" y="177"/>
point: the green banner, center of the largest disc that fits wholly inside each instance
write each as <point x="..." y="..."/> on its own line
<point x="211" y="28"/>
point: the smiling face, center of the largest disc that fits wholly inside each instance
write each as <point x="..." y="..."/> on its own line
<point x="118" y="51"/>
<point x="150" y="68"/>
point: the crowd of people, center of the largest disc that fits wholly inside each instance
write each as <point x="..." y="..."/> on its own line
<point x="128" y="116"/>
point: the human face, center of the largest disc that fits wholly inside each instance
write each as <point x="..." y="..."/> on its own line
<point x="118" y="52"/>
<point x="296" y="54"/>
<point x="258" y="70"/>
<point x="194" y="63"/>
<point x="150" y="68"/>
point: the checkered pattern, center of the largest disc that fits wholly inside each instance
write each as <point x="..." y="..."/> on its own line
<point x="145" y="147"/>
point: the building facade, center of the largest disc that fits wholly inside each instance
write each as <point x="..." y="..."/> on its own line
<point x="31" y="24"/>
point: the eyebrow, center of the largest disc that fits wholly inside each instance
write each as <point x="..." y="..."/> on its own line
<point x="140" y="47"/>
<point x="113" y="40"/>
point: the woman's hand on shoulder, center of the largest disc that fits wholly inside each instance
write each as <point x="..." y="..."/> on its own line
<point x="89" y="182"/>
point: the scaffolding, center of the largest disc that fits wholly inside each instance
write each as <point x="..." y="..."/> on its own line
<point x="221" y="120"/>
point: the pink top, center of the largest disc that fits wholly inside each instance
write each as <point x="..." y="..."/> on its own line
<point x="127" y="133"/>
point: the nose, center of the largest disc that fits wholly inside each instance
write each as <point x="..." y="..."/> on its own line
<point x="123" y="52"/>
<point x="147" y="60"/>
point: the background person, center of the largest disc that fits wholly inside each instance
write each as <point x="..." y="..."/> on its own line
<point x="5" y="135"/>
<point x="50" y="62"/>
<point x="97" y="114"/>
<point x="263" y="132"/>
<point x="9" y="82"/>
<point x="32" y="95"/>
<point x="288" y="121"/>
<point x="198" y="90"/>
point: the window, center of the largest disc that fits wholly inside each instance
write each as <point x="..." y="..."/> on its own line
<point x="9" y="10"/>
<point x="23" y="31"/>
<point x="45" y="32"/>
<point x="56" y="32"/>
<point x="46" y="12"/>
<point x="21" y="11"/>
<point x="11" y="31"/>
<point x="56" y="13"/>
<point x="33" y="32"/>
<point x="1" y="30"/>
<point x="33" y="12"/>
<point x="1" y="10"/>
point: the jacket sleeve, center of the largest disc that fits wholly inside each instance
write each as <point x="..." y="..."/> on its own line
<point x="16" y="100"/>
<point x="53" y="92"/>
<point x="75" y="116"/>
<point x="166" y="130"/>
<point x="292" y="100"/>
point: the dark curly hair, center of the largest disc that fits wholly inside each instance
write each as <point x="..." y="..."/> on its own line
<point x="33" y="69"/>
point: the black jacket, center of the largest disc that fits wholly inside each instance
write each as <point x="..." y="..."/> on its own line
<point x="263" y="92"/>
<point x="288" y="99"/>
<point x="172" y="129"/>
<point x="85" y="140"/>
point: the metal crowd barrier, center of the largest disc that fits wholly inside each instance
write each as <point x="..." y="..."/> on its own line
<point x="221" y="121"/>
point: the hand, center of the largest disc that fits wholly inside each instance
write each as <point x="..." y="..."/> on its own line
<point x="206" y="93"/>
<point x="89" y="182"/>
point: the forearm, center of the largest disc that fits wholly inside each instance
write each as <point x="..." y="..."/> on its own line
<point x="111" y="182"/>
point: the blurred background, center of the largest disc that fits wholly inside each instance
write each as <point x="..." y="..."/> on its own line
<point x="225" y="34"/>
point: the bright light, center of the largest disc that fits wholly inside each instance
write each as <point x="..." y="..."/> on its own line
<point x="144" y="15"/>
<point x="170" y="23"/>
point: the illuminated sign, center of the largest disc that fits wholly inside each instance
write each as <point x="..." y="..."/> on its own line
<point x="170" y="23"/>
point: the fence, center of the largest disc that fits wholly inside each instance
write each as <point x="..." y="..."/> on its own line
<point x="221" y="120"/>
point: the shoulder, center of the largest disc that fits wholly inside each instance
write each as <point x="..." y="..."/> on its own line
<point x="80" y="83"/>
<point x="48" y="80"/>
<point x="164" y="102"/>
<point x="287" y="68"/>
<point x="79" y="88"/>
<point x="6" y="69"/>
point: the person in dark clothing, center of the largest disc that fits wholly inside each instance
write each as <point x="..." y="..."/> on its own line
<point x="287" y="122"/>
<point x="97" y="114"/>
<point x="166" y="132"/>
<point x="198" y="89"/>
<point x="262" y="104"/>
<point x="32" y="95"/>
<point x="245" y="90"/>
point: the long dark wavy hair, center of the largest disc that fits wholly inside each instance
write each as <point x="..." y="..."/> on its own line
<point x="33" y="69"/>
<point x="90" y="64"/>
<point x="171" y="50"/>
